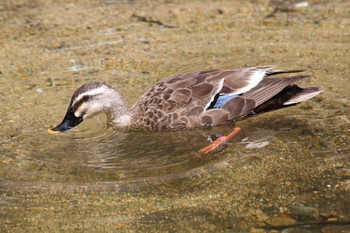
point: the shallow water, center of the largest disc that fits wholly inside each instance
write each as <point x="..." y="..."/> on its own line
<point x="286" y="170"/>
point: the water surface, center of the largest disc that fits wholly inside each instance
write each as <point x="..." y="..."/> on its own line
<point x="286" y="170"/>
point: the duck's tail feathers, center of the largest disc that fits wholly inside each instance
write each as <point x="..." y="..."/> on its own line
<point x="289" y="96"/>
<point x="305" y="94"/>
<point x="275" y="72"/>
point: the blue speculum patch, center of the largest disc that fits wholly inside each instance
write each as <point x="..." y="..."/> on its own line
<point x="223" y="99"/>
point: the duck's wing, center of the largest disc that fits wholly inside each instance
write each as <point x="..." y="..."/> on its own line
<point x="270" y="94"/>
<point x="185" y="101"/>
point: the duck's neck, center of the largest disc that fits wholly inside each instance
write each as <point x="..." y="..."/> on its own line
<point x="119" y="115"/>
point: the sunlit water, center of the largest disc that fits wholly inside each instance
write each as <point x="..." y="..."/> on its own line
<point x="286" y="169"/>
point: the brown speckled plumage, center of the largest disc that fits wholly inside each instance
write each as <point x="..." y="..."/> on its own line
<point x="179" y="101"/>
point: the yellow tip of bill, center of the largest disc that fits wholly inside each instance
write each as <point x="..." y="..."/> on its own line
<point x="50" y="131"/>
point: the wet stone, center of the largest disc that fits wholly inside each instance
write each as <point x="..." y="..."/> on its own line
<point x="301" y="210"/>
<point x="282" y="220"/>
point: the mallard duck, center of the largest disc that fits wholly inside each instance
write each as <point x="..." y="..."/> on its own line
<point x="195" y="100"/>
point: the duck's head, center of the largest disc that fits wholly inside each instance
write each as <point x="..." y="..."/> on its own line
<point x="88" y="100"/>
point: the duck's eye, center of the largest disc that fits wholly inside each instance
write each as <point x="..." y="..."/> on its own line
<point x="86" y="98"/>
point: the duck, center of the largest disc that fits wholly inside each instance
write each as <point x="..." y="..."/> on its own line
<point x="202" y="100"/>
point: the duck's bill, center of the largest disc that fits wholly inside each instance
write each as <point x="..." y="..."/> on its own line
<point x="69" y="122"/>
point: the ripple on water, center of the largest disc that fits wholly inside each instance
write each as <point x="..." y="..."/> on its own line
<point x="94" y="157"/>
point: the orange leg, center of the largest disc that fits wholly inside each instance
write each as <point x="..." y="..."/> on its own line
<point x="219" y="141"/>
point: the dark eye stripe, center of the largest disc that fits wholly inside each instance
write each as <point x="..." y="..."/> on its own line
<point x="77" y="104"/>
<point x="82" y="114"/>
<point x="86" y="98"/>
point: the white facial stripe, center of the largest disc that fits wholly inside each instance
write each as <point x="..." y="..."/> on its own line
<point x="88" y="109"/>
<point x="92" y="92"/>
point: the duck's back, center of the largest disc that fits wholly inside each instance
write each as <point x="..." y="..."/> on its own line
<point x="175" y="103"/>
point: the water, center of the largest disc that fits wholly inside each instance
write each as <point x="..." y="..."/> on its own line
<point x="286" y="170"/>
